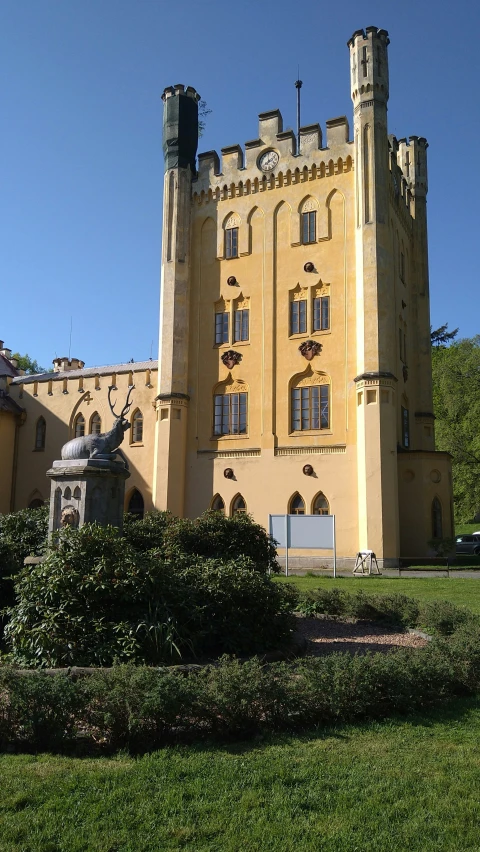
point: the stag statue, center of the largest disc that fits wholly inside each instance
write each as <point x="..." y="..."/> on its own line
<point x="104" y="446"/>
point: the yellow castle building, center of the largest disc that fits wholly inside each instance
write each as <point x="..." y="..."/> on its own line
<point x="294" y="370"/>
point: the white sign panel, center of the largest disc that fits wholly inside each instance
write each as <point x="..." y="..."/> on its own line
<point x="312" y="532"/>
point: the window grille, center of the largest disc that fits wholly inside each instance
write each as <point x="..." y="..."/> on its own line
<point x="231" y="242"/>
<point x="221" y="327"/>
<point x="321" y="313"/>
<point x="241" y="325"/>
<point x="298" y="317"/>
<point x="309" y="227"/>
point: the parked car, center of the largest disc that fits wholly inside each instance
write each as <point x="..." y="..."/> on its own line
<point x="468" y="544"/>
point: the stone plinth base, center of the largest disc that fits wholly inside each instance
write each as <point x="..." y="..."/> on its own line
<point x="86" y="491"/>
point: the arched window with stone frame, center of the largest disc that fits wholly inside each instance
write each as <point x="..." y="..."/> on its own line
<point x="136" y="504"/>
<point x="137" y="427"/>
<point x="217" y="504"/>
<point x="296" y="505"/>
<point x="40" y="433"/>
<point x="320" y="505"/>
<point x="231" y="230"/>
<point x="308" y="220"/>
<point x="238" y="505"/>
<point x="79" y="426"/>
<point x="95" y="424"/>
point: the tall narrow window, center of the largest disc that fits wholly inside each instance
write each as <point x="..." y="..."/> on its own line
<point x="137" y="427"/>
<point x="231" y="242"/>
<point x="136" y="505"/>
<point x="79" y="428"/>
<point x="298" y="317"/>
<point x="217" y="504"/>
<point x="400" y="343"/>
<point x="238" y="505"/>
<point x="230" y="414"/>
<point x="95" y="424"/>
<point x="321" y="313"/>
<point x="309" y="227"/>
<point x="40" y="433"/>
<point x="405" y="428"/>
<point x="437" y="520"/>
<point x="320" y="505"/>
<point x="310" y="408"/>
<point x="221" y="327"/>
<point x="241" y="325"/>
<point x="297" y="505"/>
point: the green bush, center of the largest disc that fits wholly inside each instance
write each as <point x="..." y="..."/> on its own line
<point x="22" y="534"/>
<point x="94" y="600"/>
<point x="442" y="617"/>
<point x="147" y="533"/>
<point x="137" y="708"/>
<point x="212" y="535"/>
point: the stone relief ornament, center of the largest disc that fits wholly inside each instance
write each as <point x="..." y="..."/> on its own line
<point x="69" y="517"/>
<point x="231" y="358"/>
<point x="309" y="348"/>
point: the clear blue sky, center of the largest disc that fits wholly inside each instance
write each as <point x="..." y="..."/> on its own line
<point x="81" y="159"/>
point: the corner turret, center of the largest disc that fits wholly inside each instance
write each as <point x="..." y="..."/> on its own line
<point x="369" y="65"/>
<point x="412" y="159"/>
<point x="180" y="127"/>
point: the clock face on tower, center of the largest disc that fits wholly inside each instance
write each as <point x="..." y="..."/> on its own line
<point x="268" y="161"/>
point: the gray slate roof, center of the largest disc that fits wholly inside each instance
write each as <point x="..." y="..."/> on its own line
<point x="135" y="367"/>
<point x="9" y="404"/>
<point x="6" y="367"/>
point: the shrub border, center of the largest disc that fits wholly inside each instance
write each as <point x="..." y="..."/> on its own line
<point x="139" y="709"/>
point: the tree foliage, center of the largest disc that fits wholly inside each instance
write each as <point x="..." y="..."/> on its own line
<point x="28" y="364"/>
<point x="441" y="336"/>
<point x="456" y="394"/>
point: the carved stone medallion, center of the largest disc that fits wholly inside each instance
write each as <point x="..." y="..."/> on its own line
<point x="310" y="348"/>
<point x="70" y="517"/>
<point x="231" y="358"/>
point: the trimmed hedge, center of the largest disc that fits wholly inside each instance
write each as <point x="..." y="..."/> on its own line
<point x="139" y="708"/>
<point x="439" y="617"/>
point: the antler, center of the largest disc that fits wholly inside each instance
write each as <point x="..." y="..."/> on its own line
<point x="128" y="404"/>
<point x="110" y="388"/>
<point x="126" y="407"/>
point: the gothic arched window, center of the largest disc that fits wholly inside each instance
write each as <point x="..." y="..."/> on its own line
<point x="40" y="433"/>
<point x="79" y="426"/>
<point x="95" y="424"/>
<point x="137" y="427"/>
<point x="320" y="505"/>
<point x="136" y="505"/>
<point x="238" y="505"/>
<point x="217" y="504"/>
<point x="297" y="505"/>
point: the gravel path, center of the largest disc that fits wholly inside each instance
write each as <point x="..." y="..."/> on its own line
<point x="324" y="636"/>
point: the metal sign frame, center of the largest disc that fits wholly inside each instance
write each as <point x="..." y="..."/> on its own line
<point x="282" y="532"/>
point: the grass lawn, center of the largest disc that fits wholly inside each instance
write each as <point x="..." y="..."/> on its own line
<point x="467" y="529"/>
<point x="460" y="592"/>
<point x="401" y="785"/>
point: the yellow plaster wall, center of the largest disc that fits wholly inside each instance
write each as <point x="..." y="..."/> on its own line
<point x="7" y="455"/>
<point x="60" y="409"/>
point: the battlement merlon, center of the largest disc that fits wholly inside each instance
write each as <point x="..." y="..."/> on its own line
<point x="412" y="159"/>
<point x="369" y="65"/>
<point x="180" y="126"/>
<point x="240" y="165"/>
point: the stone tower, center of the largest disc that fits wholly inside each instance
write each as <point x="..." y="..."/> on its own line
<point x="180" y="139"/>
<point x="376" y="324"/>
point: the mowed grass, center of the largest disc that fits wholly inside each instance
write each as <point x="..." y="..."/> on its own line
<point x="458" y="591"/>
<point x="403" y="785"/>
<point x="384" y="787"/>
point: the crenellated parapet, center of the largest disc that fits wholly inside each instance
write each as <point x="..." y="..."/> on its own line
<point x="274" y="159"/>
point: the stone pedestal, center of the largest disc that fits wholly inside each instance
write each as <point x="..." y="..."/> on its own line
<point x="86" y="491"/>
